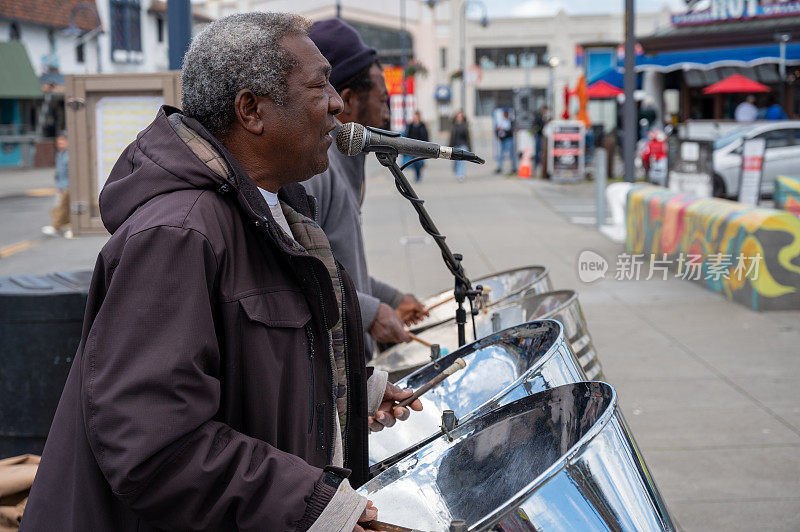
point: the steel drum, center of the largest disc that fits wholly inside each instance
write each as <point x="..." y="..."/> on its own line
<point x="560" y="305"/>
<point x="502" y="286"/>
<point x="562" y="459"/>
<point x="504" y="366"/>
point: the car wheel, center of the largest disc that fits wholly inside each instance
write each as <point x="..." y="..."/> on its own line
<point x="718" y="187"/>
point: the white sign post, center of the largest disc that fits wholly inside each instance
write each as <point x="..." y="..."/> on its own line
<point x="752" y="171"/>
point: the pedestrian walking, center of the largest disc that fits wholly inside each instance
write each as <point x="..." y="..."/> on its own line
<point x="416" y="130"/>
<point x="505" y="134"/>
<point x="459" y="138"/>
<point x="542" y="118"/>
<point x="60" y="212"/>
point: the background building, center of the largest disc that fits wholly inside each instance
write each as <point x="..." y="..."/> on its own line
<point x="42" y="40"/>
<point x="702" y="47"/>
<point x="501" y="56"/>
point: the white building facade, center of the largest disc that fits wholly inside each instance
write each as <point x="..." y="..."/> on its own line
<point x="510" y="53"/>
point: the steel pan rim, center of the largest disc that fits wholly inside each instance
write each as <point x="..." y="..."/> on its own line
<point x="559" y="465"/>
<point x="544" y="271"/>
<point x="561" y="338"/>
<point x="573" y="298"/>
<point x="552" y="352"/>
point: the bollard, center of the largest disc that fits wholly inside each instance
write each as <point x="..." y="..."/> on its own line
<point x="600" y="179"/>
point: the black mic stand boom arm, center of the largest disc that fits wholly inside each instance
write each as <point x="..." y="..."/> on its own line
<point x="463" y="287"/>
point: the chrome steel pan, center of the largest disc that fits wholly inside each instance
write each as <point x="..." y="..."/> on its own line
<point x="560" y="305"/>
<point x="562" y="459"/>
<point x="502" y="367"/>
<point x="502" y="286"/>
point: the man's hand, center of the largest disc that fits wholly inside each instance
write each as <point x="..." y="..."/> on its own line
<point x="410" y="310"/>
<point x="370" y="513"/>
<point x="388" y="413"/>
<point x="387" y="327"/>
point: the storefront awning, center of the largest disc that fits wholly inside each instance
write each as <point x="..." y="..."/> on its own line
<point x="602" y="89"/>
<point x="612" y="76"/>
<point x="18" y="79"/>
<point x="710" y="58"/>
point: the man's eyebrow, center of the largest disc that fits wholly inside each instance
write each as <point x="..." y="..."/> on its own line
<point x="325" y="70"/>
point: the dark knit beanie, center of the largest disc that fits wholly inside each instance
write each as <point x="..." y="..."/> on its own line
<point x="343" y="48"/>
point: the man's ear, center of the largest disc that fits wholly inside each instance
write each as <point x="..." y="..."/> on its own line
<point x="248" y="114"/>
<point x="350" y="100"/>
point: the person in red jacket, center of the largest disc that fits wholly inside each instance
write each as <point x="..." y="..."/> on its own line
<point x="654" y="152"/>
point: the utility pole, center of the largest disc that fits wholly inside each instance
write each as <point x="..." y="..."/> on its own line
<point x="403" y="59"/>
<point x="179" y="24"/>
<point x="782" y="39"/>
<point x="629" y="129"/>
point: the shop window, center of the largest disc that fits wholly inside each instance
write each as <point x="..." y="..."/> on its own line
<point x="488" y="100"/>
<point x="599" y="60"/>
<point x="126" y="36"/>
<point x="511" y="57"/>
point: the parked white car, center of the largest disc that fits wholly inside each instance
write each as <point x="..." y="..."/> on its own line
<point x="782" y="156"/>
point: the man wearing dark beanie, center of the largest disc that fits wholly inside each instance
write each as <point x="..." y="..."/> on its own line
<point x="359" y="80"/>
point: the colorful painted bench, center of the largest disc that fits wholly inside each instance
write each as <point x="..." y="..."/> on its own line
<point x="749" y="254"/>
<point x="787" y="194"/>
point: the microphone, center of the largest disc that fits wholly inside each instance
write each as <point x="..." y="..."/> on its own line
<point x="352" y="139"/>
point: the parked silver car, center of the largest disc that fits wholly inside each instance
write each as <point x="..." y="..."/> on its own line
<point x="782" y="155"/>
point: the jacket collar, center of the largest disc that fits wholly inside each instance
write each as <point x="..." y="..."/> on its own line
<point x="257" y="210"/>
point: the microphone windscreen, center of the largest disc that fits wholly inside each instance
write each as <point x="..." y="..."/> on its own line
<point x="350" y="138"/>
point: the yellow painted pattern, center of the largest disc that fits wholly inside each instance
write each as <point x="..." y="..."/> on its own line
<point x="765" y="241"/>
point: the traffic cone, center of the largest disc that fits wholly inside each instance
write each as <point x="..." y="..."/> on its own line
<point x="525" y="168"/>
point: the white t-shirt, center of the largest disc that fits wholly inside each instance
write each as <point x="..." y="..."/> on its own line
<point x="746" y="112"/>
<point x="275" y="208"/>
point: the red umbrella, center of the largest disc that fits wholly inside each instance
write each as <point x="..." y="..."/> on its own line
<point x="603" y="89"/>
<point x="735" y="83"/>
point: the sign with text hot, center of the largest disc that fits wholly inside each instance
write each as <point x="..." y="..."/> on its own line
<point x="727" y="10"/>
<point x="394" y="81"/>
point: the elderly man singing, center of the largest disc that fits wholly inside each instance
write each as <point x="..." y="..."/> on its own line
<point x="220" y="381"/>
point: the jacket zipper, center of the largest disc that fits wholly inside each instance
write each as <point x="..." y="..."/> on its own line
<point x="331" y="361"/>
<point x="346" y="365"/>
<point x="310" y="340"/>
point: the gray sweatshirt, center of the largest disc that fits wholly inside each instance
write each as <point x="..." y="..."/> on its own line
<point x="339" y="194"/>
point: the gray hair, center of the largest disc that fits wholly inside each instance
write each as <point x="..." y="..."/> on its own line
<point x="237" y="52"/>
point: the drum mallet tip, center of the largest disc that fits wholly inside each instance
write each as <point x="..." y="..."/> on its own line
<point x="457" y="365"/>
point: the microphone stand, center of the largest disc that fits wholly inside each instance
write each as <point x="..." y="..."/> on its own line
<point x="463" y="288"/>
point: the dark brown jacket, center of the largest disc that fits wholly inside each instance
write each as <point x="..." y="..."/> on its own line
<point x="201" y="393"/>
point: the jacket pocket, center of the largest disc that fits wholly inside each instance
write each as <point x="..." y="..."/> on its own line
<point x="284" y="308"/>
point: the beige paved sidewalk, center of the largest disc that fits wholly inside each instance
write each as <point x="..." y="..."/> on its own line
<point x="708" y="387"/>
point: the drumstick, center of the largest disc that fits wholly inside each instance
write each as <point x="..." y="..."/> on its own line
<point x="486" y="290"/>
<point x="420" y="340"/>
<point x="458" y="364"/>
<point x="442" y="302"/>
<point x="388" y="527"/>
